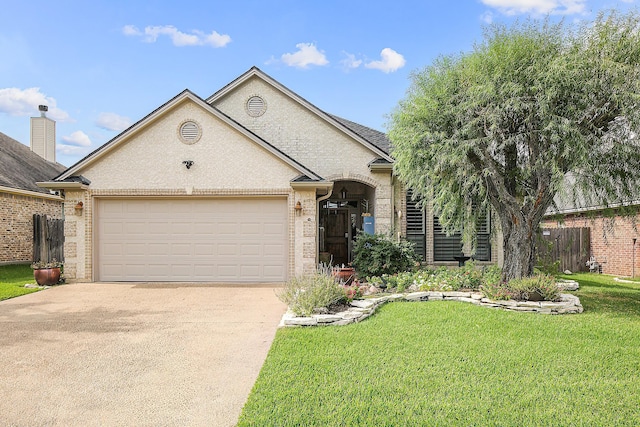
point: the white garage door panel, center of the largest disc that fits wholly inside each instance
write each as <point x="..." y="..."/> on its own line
<point x="235" y="240"/>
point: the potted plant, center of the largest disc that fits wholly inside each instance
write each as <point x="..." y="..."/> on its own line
<point x="47" y="273"/>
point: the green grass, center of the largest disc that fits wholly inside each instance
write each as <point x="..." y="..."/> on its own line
<point x="456" y="364"/>
<point x="12" y="280"/>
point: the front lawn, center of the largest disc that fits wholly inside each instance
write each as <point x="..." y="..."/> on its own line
<point x="12" y="280"/>
<point x="448" y="363"/>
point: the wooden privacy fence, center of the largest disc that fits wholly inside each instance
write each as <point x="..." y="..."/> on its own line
<point x="567" y="246"/>
<point x="48" y="239"/>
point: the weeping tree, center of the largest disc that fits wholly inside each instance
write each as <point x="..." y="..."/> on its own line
<point x="535" y="110"/>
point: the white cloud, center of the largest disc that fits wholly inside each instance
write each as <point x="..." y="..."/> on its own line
<point x="178" y="38"/>
<point x="539" y="7"/>
<point x="24" y="102"/>
<point x="487" y="17"/>
<point x="307" y="54"/>
<point x="390" y="61"/>
<point x="131" y="30"/>
<point x="350" y="62"/>
<point x="72" y="150"/>
<point x="77" y="139"/>
<point x="113" y="121"/>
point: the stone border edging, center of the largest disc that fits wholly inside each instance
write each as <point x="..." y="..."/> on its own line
<point x="361" y="309"/>
<point x="620" y="280"/>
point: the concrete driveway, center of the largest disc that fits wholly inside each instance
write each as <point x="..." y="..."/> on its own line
<point x="133" y="354"/>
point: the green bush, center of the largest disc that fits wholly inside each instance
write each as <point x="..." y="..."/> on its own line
<point x="544" y="284"/>
<point x="377" y="254"/>
<point x="492" y="275"/>
<point x="520" y="289"/>
<point x="439" y="279"/>
<point x="305" y="294"/>
<point x="495" y="291"/>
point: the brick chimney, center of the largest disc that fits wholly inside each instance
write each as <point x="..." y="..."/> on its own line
<point x="43" y="135"/>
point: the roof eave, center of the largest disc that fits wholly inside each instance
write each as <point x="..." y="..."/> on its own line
<point x="325" y="187"/>
<point x="573" y="211"/>
<point x="29" y="193"/>
<point x="381" y="167"/>
<point x="62" y="185"/>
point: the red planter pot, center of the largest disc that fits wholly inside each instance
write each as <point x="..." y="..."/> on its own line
<point x="47" y="276"/>
<point x="344" y="274"/>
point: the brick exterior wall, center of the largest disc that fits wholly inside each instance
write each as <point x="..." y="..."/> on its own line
<point x="611" y="240"/>
<point x="227" y="163"/>
<point x="16" y="224"/>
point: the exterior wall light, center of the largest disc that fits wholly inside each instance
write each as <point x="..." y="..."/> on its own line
<point x="298" y="207"/>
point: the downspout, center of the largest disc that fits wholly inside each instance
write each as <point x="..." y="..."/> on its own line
<point x="633" y="259"/>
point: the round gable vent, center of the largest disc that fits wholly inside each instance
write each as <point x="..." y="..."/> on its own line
<point x="189" y="132"/>
<point x="256" y="106"/>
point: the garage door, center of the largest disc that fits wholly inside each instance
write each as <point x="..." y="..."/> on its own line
<point x="203" y="240"/>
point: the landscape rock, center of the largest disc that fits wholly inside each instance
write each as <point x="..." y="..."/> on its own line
<point x="361" y="309"/>
<point x="417" y="296"/>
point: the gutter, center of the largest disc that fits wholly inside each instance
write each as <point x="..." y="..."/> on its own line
<point x="591" y="208"/>
<point x="60" y="185"/>
<point x="29" y="193"/>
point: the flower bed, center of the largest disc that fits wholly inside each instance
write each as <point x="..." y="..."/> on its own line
<point x="361" y="309"/>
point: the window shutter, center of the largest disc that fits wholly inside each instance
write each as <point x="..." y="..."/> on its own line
<point x="415" y="225"/>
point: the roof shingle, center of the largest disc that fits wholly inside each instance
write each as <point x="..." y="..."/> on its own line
<point x="21" y="168"/>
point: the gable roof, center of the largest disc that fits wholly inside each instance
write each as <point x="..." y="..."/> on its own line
<point x="149" y="118"/>
<point x="22" y="168"/>
<point x="374" y="140"/>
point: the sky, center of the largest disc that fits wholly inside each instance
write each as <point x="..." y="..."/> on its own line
<point x="101" y="66"/>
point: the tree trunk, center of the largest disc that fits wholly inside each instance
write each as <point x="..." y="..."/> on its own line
<point x="519" y="239"/>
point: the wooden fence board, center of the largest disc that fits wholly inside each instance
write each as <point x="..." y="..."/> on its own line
<point x="48" y="239"/>
<point x="567" y="246"/>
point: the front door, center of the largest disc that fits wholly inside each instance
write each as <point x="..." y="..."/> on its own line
<point x="337" y="236"/>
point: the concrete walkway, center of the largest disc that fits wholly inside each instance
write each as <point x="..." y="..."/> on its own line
<point x="133" y="354"/>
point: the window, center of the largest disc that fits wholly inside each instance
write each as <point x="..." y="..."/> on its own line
<point x="416" y="226"/>
<point x="445" y="247"/>
<point x="483" y="251"/>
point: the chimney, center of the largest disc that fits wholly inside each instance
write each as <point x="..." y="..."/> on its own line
<point x="43" y="135"/>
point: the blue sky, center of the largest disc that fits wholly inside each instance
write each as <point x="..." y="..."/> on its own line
<point x="103" y="65"/>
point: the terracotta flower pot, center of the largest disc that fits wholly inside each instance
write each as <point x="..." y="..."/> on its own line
<point x="47" y="276"/>
<point x="344" y="273"/>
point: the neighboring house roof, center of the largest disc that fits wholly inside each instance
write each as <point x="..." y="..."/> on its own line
<point x="374" y="140"/>
<point x="22" y="168"/>
<point x="90" y="158"/>
<point x="565" y="204"/>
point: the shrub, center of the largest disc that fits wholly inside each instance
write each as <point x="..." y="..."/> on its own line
<point x="352" y="291"/>
<point x="377" y="254"/>
<point x="492" y="275"/>
<point x="520" y="289"/>
<point x="305" y="294"/>
<point x="544" y="284"/>
<point x="444" y="279"/>
<point x="495" y="291"/>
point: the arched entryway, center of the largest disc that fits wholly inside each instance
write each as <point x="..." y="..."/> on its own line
<point x="341" y="218"/>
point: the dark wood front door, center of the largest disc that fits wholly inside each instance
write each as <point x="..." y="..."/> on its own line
<point x="337" y="236"/>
